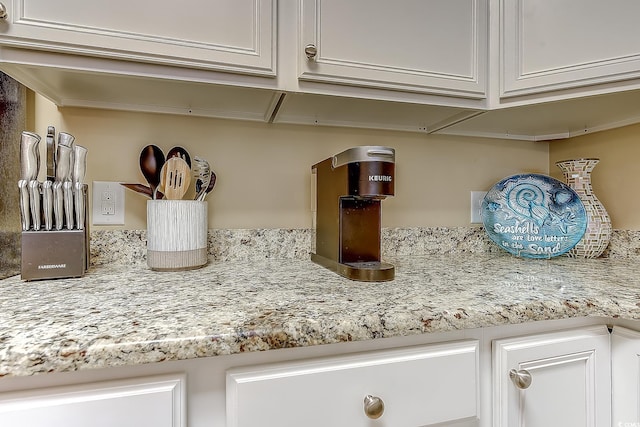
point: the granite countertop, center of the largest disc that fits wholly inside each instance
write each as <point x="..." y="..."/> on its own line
<point x="125" y="315"/>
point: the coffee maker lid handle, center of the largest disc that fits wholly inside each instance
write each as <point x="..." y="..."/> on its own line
<point x="381" y="151"/>
<point x="366" y="153"/>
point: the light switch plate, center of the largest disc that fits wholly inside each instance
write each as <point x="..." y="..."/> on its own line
<point x="108" y="203"/>
<point x="476" y="206"/>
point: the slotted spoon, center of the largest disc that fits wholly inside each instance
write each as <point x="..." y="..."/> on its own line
<point x="175" y="178"/>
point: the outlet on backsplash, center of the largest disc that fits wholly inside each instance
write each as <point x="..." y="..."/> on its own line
<point x="476" y="206"/>
<point x="108" y="203"/>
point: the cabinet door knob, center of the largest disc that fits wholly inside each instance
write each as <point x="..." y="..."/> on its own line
<point x="521" y="378"/>
<point x="373" y="407"/>
<point x="311" y="51"/>
<point x="3" y="12"/>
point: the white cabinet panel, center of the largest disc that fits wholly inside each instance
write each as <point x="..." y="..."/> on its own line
<point x="570" y="379"/>
<point x="558" y="45"/>
<point x="153" y="401"/>
<point x="625" y="383"/>
<point x="227" y="35"/>
<point x="436" y="46"/>
<point x="420" y="386"/>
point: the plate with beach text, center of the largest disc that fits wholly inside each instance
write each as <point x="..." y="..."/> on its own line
<point x="534" y="216"/>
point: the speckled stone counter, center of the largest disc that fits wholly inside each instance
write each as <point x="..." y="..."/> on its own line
<point x="124" y="314"/>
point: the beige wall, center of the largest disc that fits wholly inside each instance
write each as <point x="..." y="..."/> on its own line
<point x="616" y="179"/>
<point x="264" y="170"/>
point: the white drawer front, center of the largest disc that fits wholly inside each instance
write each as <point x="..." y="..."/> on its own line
<point x="153" y="401"/>
<point x="420" y="386"/>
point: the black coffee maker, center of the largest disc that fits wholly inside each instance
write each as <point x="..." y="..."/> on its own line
<point x="347" y="213"/>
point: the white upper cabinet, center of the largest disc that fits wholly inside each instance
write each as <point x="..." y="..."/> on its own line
<point x="558" y="45"/>
<point x="434" y="47"/>
<point x="221" y="35"/>
<point x="464" y="67"/>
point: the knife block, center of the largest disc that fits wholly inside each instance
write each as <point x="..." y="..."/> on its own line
<point x="177" y="234"/>
<point x="56" y="254"/>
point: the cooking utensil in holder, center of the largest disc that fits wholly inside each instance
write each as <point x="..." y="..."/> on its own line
<point x="176" y="234"/>
<point x="56" y="254"/>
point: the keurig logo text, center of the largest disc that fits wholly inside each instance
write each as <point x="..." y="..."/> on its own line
<point x="380" y="178"/>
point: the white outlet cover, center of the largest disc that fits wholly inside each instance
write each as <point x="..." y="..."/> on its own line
<point x="108" y="203"/>
<point x="476" y="206"/>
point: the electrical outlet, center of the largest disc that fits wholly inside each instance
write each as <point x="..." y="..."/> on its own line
<point x="108" y="203"/>
<point x="476" y="206"/>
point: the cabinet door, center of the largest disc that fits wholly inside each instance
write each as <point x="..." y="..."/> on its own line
<point x="570" y="379"/>
<point x="435" y="46"/>
<point x="625" y="367"/>
<point x="553" y="45"/>
<point x="226" y="35"/>
<point x="418" y="386"/>
<point x="152" y="401"/>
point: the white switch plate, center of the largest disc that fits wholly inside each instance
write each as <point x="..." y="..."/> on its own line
<point x="108" y="203"/>
<point x="476" y="206"/>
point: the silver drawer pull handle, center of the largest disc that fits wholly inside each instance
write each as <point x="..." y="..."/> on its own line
<point x="521" y="378"/>
<point x="3" y="12"/>
<point x="373" y="407"/>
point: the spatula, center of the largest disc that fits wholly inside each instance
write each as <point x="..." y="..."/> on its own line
<point x="175" y="178"/>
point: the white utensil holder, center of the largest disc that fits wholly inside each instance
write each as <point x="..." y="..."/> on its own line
<point x="176" y="234"/>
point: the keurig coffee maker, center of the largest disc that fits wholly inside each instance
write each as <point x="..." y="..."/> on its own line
<point x="347" y="213"/>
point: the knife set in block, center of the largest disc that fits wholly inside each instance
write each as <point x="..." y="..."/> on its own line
<point x="55" y="235"/>
<point x="176" y="234"/>
<point x="55" y="254"/>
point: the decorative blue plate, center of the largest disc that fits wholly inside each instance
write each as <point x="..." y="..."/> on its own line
<point x="534" y="216"/>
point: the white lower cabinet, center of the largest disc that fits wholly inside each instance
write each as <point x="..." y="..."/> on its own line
<point x="625" y="367"/>
<point x="581" y="376"/>
<point x="553" y="379"/>
<point x="152" y="401"/>
<point x="415" y="386"/>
